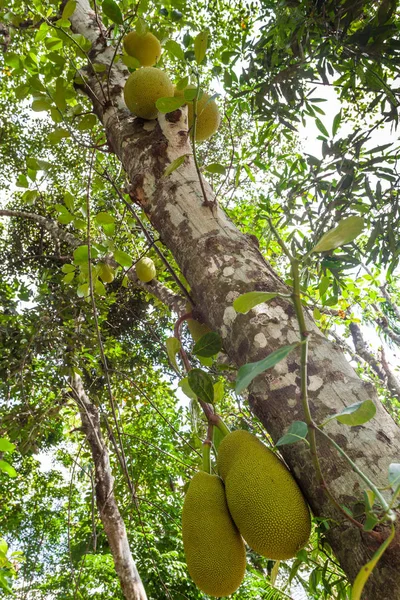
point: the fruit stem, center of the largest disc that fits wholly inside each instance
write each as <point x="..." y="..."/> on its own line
<point x="207" y="449"/>
<point x="224" y="429"/>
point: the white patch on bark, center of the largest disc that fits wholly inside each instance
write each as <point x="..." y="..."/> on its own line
<point x="228" y="271"/>
<point x="260" y="340"/>
<point x="230" y="315"/>
<point x="315" y="383"/>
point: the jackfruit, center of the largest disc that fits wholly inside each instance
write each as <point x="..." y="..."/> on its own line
<point x="264" y="500"/>
<point x="214" y="550"/>
<point x="208" y="117"/>
<point x="145" y="269"/>
<point x="143" y="88"/>
<point x="146" y="47"/>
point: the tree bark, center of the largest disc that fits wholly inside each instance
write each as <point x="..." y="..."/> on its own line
<point x="219" y="262"/>
<point x="110" y="516"/>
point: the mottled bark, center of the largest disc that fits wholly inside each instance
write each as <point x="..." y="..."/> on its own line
<point x="220" y="263"/>
<point x="110" y="516"/>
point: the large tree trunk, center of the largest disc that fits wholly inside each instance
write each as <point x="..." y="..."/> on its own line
<point x="110" y="516"/>
<point x="220" y="263"/>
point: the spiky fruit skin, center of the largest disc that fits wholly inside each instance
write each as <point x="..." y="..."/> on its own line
<point x="214" y="550"/>
<point x="145" y="48"/>
<point x="264" y="500"/>
<point x="145" y="269"/>
<point x="208" y="117"/>
<point x="143" y="88"/>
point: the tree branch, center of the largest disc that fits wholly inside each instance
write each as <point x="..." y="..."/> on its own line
<point x="110" y="516"/>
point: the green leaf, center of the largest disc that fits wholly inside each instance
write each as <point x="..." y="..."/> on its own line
<point x="182" y="83"/>
<point x="68" y="268"/>
<point x="367" y="569"/>
<point x="208" y="345"/>
<point x="186" y="389"/>
<point x="219" y="390"/>
<point x="191" y="94"/>
<point x="87" y="122"/>
<point x="249" y="300"/>
<point x="68" y="277"/>
<point x="202" y="385"/>
<point x="112" y="11"/>
<point x="141" y="27"/>
<point x="200" y="46"/>
<point x="40" y="105"/>
<point x="69" y="200"/>
<point x="321" y="127"/>
<point x="69" y="9"/>
<point x="6" y="446"/>
<point x="3" y="546"/>
<point x="215" y="168"/>
<point x="81" y="255"/>
<point x="83" y="290"/>
<point x="175" y="49"/>
<point x="173" y="347"/>
<point x="346" y="231"/>
<point x="123" y="258"/>
<point x="355" y="414"/>
<point x="7" y="468"/>
<point x="166" y="105"/>
<point x="296" y="433"/>
<point x="104" y="218"/>
<point x="131" y="62"/>
<point x="57" y="135"/>
<point x="175" y="165"/>
<point x="248" y="372"/>
<point x="336" y="123"/>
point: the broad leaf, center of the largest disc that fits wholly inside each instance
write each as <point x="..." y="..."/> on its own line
<point x="346" y="231"/>
<point x="175" y="49"/>
<point x="248" y="372"/>
<point x="208" y="345"/>
<point x="175" y="165"/>
<point x="5" y="467"/>
<point x="200" y="46"/>
<point x="186" y="389"/>
<point x="246" y="302"/>
<point x="112" y="11"/>
<point x="123" y="258"/>
<point x="6" y="446"/>
<point x="355" y="414"/>
<point x="69" y="9"/>
<point x="215" y="168"/>
<point x="104" y="218"/>
<point x="202" y="385"/>
<point x="166" y="105"/>
<point x="173" y="347"/>
<point x="297" y="432"/>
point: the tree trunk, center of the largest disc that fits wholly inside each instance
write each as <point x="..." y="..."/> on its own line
<point x="110" y="516"/>
<point x="220" y="263"/>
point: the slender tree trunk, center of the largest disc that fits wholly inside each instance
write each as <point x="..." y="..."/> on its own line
<point x="220" y="263"/>
<point x="110" y="516"/>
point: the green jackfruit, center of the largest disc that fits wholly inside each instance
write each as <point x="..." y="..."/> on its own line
<point x="145" y="269"/>
<point x="214" y="550"/>
<point x="208" y="117"/>
<point x="146" y="47"/>
<point x="264" y="500"/>
<point x="143" y="88"/>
